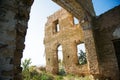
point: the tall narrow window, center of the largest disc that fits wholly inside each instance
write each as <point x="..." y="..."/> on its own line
<point x="60" y="54"/>
<point x="60" y="60"/>
<point x="57" y="26"/>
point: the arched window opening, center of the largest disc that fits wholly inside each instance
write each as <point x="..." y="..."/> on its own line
<point x="60" y="54"/>
<point x="60" y="61"/>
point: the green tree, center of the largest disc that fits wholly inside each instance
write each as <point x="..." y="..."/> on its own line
<point x="26" y="73"/>
<point x="30" y="72"/>
<point x="26" y="64"/>
<point x="82" y="57"/>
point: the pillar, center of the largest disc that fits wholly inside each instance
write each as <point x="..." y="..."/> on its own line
<point x="14" y="15"/>
<point x="91" y="51"/>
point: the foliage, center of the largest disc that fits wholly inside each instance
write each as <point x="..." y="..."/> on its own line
<point x="61" y="72"/>
<point x="25" y="72"/>
<point x="46" y="77"/>
<point x="42" y="68"/>
<point x="82" y="57"/>
<point x="31" y="73"/>
<point x="75" y="77"/>
<point x="61" y="68"/>
<point x="58" y="78"/>
<point x="26" y="64"/>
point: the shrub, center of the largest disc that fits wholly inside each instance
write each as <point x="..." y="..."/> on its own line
<point x="42" y="68"/>
<point x="46" y="76"/>
<point x="61" y="72"/>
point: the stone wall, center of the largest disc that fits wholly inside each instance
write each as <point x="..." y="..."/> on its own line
<point x="68" y="37"/>
<point x="107" y="29"/>
<point x="14" y="15"/>
<point x="100" y="33"/>
<point x="85" y="14"/>
<point x="79" y="8"/>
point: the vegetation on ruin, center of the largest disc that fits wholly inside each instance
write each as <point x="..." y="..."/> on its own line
<point x="39" y="73"/>
<point x="30" y="72"/>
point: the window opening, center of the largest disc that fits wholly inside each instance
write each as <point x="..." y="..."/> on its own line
<point x="81" y="54"/>
<point x="57" y="26"/>
<point x="76" y="21"/>
<point x="60" y="60"/>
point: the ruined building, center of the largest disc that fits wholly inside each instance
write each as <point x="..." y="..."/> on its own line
<point x="101" y="36"/>
<point x="61" y="30"/>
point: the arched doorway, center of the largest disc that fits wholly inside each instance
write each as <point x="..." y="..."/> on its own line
<point x="61" y="70"/>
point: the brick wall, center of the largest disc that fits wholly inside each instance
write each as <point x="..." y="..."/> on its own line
<point x="105" y="27"/>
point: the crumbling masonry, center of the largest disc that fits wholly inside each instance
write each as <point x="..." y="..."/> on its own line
<point x="68" y="36"/>
<point x="101" y="36"/>
<point x="14" y="15"/>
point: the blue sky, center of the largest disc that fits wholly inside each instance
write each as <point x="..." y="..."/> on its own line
<point x="40" y="10"/>
<point x="101" y="6"/>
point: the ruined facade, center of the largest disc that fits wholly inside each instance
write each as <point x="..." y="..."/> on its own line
<point x="68" y="36"/>
<point x="101" y="36"/>
<point x="83" y="10"/>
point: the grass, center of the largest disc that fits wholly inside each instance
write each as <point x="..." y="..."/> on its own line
<point x="41" y="74"/>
